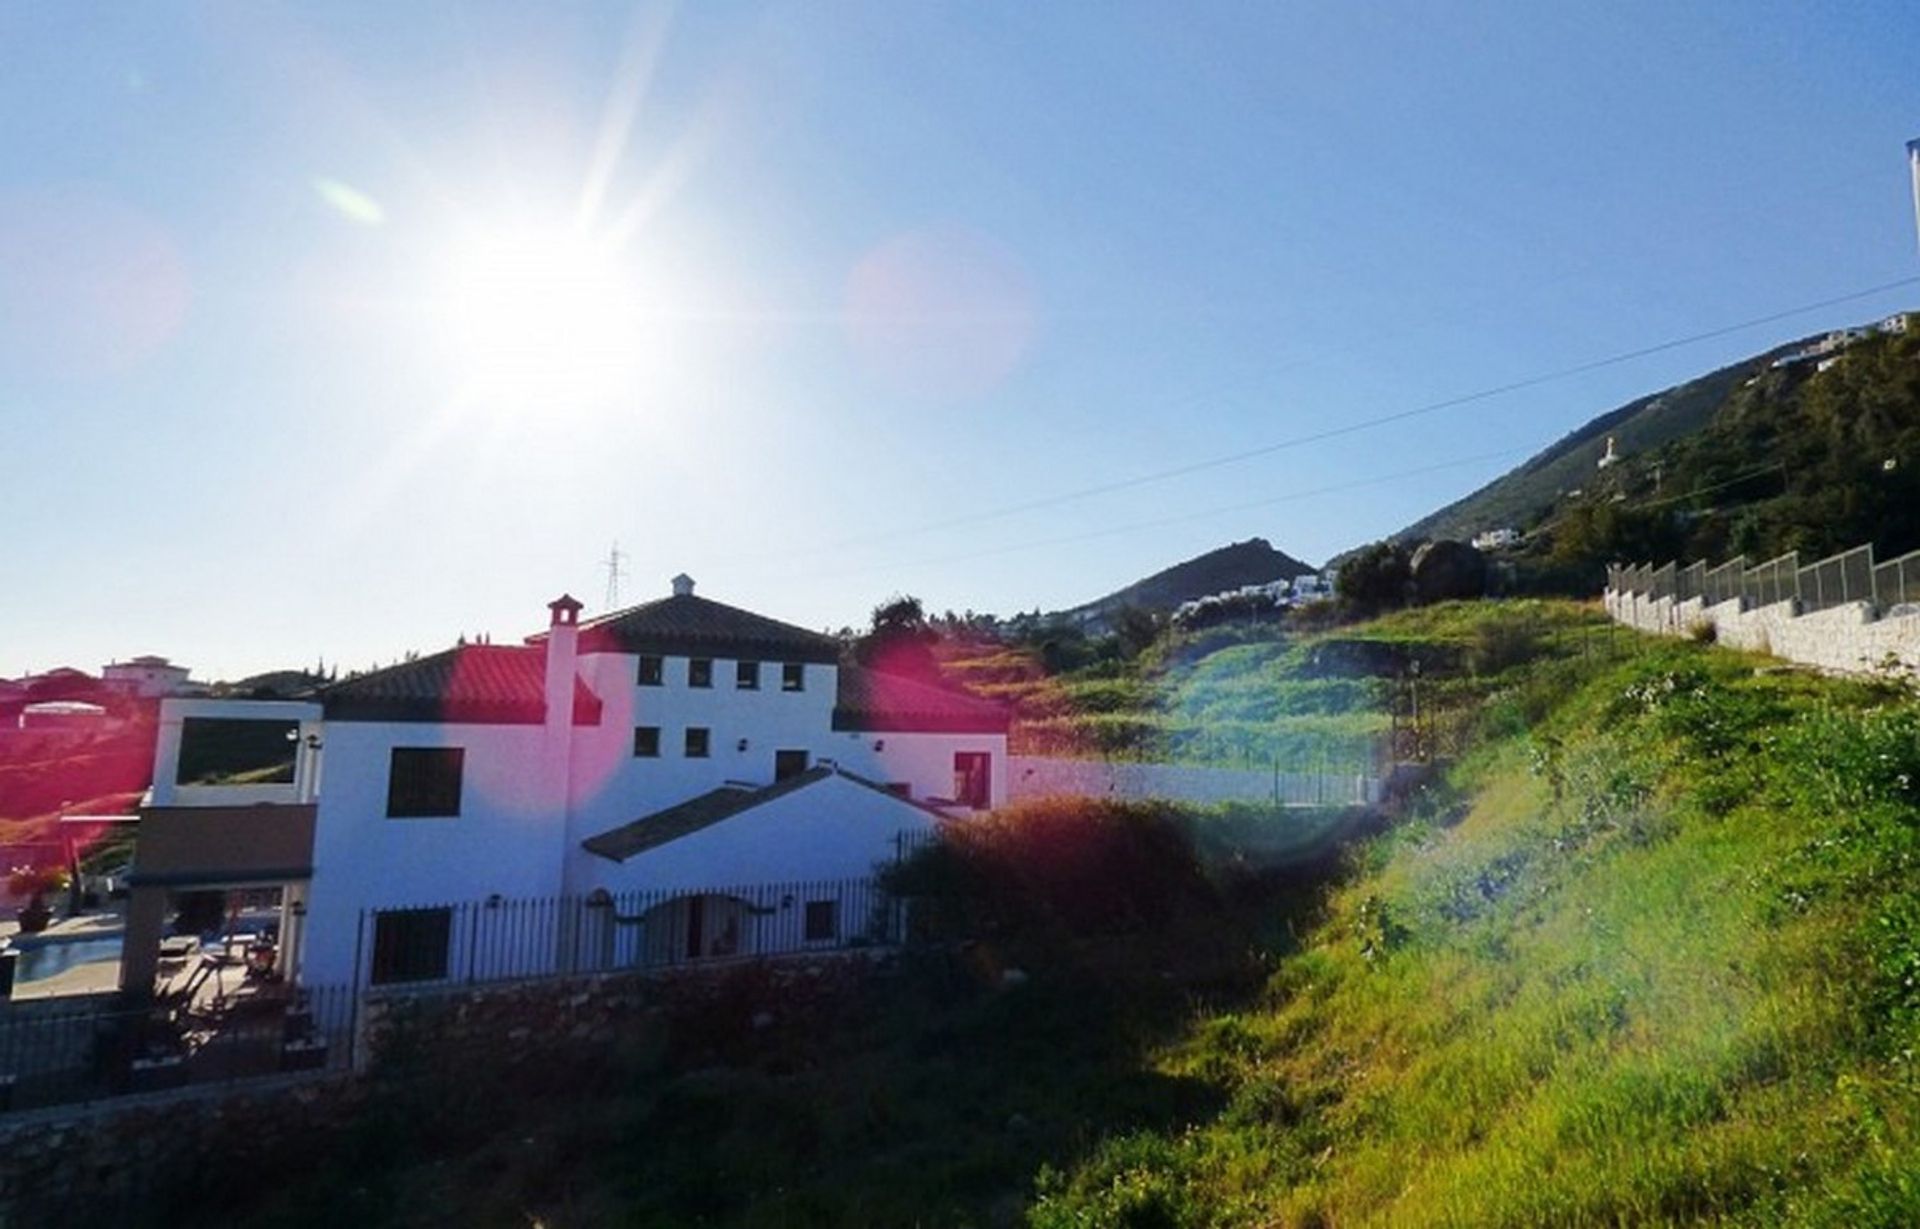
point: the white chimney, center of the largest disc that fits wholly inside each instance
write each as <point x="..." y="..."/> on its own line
<point x="563" y="644"/>
<point x="683" y="585"/>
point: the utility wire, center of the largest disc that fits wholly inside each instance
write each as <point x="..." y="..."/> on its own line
<point x="1202" y="514"/>
<point x="1367" y="424"/>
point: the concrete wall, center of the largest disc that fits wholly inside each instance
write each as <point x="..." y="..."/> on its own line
<point x="1040" y="776"/>
<point x="1848" y="639"/>
<point x="509" y="837"/>
<point x="923" y="761"/>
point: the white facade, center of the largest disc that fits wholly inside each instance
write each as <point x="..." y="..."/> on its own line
<point x="553" y="750"/>
<point x="148" y="678"/>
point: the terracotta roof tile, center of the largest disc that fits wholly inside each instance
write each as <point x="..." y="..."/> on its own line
<point x="872" y="700"/>
<point x="481" y="684"/>
<point x="689" y="626"/>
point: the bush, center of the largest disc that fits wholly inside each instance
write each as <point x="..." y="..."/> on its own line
<point x="1054" y="869"/>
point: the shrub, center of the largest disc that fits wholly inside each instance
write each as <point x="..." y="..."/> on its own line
<point x="1055" y="868"/>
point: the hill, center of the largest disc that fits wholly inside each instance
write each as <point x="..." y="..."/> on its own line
<point x="1521" y="497"/>
<point x="1253" y="562"/>
<point x="1813" y="446"/>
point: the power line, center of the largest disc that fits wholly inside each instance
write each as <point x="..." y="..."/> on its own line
<point x="1202" y="514"/>
<point x="1367" y="424"/>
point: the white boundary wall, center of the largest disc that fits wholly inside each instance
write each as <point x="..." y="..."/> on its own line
<point x="1033" y="776"/>
<point x="1846" y="639"/>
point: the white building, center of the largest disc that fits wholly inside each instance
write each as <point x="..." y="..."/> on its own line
<point x="1496" y="539"/>
<point x="148" y="677"/>
<point x="678" y="746"/>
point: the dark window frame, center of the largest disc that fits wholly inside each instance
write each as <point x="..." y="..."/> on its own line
<point x="646" y="742"/>
<point x="820" y="921"/>
<point x="699" y="736"/>
<point x="652" y="671"/>
<point x="746" y="676"/>
<point x="783" y="760"/>
<point x="793" y="676"/>
<point x="412" y="797"/>
<point x="700" y="672"/>
<point x="973" y="782"/>
<point x="411" y="945"/>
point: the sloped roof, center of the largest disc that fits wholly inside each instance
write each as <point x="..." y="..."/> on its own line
<point x="480" y="684"/>
<point x="714" y="806"/>
<point x="875" y="701"/>
<point x="689" y="626"/>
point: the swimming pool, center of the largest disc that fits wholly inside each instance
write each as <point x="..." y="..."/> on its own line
<point x="48" y="959"/>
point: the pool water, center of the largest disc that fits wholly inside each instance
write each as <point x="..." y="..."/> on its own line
<point x="50" y="959"/>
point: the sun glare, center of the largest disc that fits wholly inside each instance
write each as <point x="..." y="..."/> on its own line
<point x="540" y="314"/>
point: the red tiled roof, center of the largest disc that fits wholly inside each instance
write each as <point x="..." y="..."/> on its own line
<point x="689" y="626"/>
<point x="872" y="700"/>
<point x="481" y="684"/>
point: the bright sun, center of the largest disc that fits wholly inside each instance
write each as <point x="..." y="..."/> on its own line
<point x="532" y="313"/>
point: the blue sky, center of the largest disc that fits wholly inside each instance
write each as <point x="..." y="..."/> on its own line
<point x="885" y="267"/>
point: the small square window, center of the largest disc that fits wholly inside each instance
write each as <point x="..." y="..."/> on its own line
<point x="411" y="945"/>
<point x="700" y="672"/>
<point x="652" y="670"/>
<point x="823" y="920"/>
<point x="746" y="675"/>
<point x="699" y="742"/>
<point x="424" y="782"/>
<point x="646" y="742"/>
<point x="793" y="676"/>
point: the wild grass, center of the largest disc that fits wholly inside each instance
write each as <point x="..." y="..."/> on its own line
<point x="1663" y="969"/>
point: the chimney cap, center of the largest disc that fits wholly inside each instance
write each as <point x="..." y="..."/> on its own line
<point x="683" y="585"/>
<point x="566" y="608"/>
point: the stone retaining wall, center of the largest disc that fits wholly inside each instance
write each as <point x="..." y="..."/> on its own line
<point x="154" y="1159"/>
<point x="1847" y="639"/>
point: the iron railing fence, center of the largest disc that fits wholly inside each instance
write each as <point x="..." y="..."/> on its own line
<point x="55" y="1055"/>
<point x="1850" y="576"/>
<point x="517" y="938"/>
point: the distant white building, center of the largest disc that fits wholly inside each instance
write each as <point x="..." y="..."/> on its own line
<point x="1496" y="539"/>
<point x="1611" y="458"/>
<point x="149" y="677"/>
<point x="1896" y="323"/>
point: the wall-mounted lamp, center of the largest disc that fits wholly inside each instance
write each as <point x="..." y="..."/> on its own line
<point x="741" y="745"/>
<point x="493" y="901"/>
<point x="879" y="744"/>
<point x="298" y="908"/>
<point x="599" y="898"/>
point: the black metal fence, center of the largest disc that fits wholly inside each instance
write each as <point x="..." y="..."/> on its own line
<point x="54" y="1054"/>
<point x="1850" y="576"/>
<point x="508" y="938"/>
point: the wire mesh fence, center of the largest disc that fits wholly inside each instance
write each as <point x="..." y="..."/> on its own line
<point x="1850" y="576"/>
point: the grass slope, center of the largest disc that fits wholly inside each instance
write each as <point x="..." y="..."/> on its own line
<point x="1658" y="966"/>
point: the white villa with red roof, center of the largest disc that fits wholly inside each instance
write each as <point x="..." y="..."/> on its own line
<point x="675" y="746"/>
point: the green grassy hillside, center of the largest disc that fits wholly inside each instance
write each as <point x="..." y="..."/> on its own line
<point x="1656" y="960"/>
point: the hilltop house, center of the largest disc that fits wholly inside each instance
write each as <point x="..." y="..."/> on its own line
<point x="149" y="677"/>
<point x="671" y="747"/>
